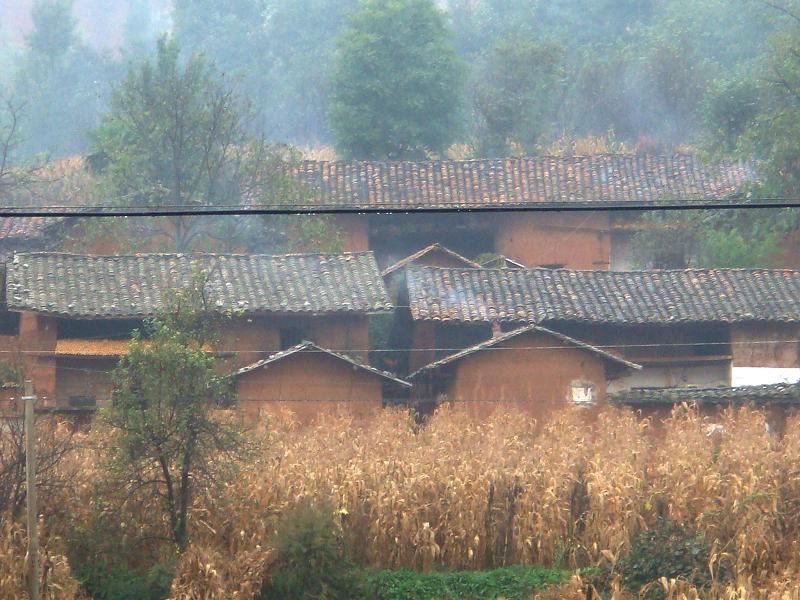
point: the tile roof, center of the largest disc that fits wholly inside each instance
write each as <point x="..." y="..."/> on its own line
<point x="433" y="248"/>
<point x="310" y="347"/>
<point x="777" y="393"/>
<point x="15" y="228"/>
<point x="133" y="286"/>
<point x="621" y="297"/>
<point x="562" y="339"/>
<point x="507" y="182"/>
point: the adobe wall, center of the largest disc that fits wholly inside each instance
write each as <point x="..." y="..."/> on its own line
<point x="576" y="240"/>
<point x="251" y="338"/>
<point x="309" y="384"/>
<point x="423" y="343"/>
<point x="538" y="381"/>
<point x="349" y="335"/>
<point x="83" y="376"/>
<point x="354" y="231"/>
<point x="765" y="345"/>
<point x="37" y="341"/>
<point x="254" y="338"/>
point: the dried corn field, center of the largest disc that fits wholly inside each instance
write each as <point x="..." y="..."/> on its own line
<point x="463" y="494"/>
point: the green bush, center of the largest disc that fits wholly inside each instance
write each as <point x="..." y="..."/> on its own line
<point x="668" y="550"/>
<point x="311" y="560"/>
<point x="120" y="583"/>
<point x="513" y="583"/>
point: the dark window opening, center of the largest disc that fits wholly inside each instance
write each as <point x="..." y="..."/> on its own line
<point x="82" y="401"/>
<point x="553" y="266"/>
<point x="109" y="329"/>
<point x="291" y="336"/>
<point x="9" y="323"/>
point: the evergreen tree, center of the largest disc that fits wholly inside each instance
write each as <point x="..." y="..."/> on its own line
<point x="398" y="82"/>
<point x="60" y="81"/>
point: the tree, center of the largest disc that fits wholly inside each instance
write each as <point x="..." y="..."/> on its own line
<point x="397" y="84"/>
<point x="517" y="93"/>
<point x="60" y="81"/>
<point x="177" y="136"/>
<point x="166" y="438"/>
<point x="704" y="239"/>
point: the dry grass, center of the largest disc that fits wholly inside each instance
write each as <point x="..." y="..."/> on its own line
<point x="465" y="494"/>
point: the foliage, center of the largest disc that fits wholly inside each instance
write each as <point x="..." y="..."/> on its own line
<point x="166" y="439"/>
<point x="60" y="81"/>
<point x="679" y="240"/>
<point x="177" y="136"/>
<point x="311" y="560"/>
<point x="667" y="550"/>
<point x="121" y="583"/>
<point x="518" y="91"/>
<point x="512" y="583"/>
<point x="397" y="84"/>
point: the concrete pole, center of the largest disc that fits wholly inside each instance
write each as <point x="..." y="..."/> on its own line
<point x="30" y="478"/>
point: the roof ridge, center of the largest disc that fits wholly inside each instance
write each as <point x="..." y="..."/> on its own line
<point x="514" y="333"/>
<point x="528" y="157"/>
<point x="619" y="273"/>
<point x="280" y="354"/>
<point x="191" y="254"/>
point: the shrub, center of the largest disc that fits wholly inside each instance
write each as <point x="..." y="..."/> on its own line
<point x="311" y="560"/>
<point x="121" y="583"/>
<point x="668" y="550"/>
<point x="512" y="583"/>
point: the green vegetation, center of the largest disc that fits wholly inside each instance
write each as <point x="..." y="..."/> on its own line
<point x="165" y="440"/>
<point x="668" y="550"/>
<point x="512" y="583"/>
<point x="397" y="83"/>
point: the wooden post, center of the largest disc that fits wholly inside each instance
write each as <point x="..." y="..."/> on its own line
<point x="32" y="559"/>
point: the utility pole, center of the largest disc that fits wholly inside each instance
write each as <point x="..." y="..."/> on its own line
<point x="32" y="559"/>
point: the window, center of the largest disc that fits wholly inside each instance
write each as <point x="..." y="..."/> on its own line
<point x="9" y="323"/>
<point x="82" y="401"/>
<point x="553" y="266"/>
<point x="582" y="392"/>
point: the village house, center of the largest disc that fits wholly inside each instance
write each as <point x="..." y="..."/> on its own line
<point x="531" y="367"/>
<point x="532" y="210"/>
<point x="777" y="400"/>
<point x="308" y="379"/>
<point x="69" y="317"/>
<point x="706" y="328"/>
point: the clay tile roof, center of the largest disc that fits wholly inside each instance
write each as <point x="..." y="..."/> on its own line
<point x="432" y="249"/>
<point x="506" y="182"/>
<point x="560" y="339"/>
<point x="133" y="286"/>
<point x="776" y="393"/>
<point x="632" y="297"/>
<point x="15" y="228"/>
<point x="310" y="347"/>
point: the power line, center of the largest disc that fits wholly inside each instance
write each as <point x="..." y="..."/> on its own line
<point x="100" y="211"/>
<point x="234" y="351"/>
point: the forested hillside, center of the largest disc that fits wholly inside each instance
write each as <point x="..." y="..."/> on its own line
<point x="532" y="74"/>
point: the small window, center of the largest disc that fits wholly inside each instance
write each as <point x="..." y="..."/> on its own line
<point x="9" y="323"/>
<point x="553" y="266"/>
<point x="291" y="336"/>
<point x="82" y="401"/>
<point x="582" y="392"/>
